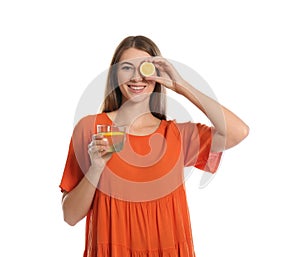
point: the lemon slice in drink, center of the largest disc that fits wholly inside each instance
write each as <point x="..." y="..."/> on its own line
<point x="147" y="69"/>
<point x="112" y="133"/>
<point x="115" y="140"/>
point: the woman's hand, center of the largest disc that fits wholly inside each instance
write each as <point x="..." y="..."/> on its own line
<point x="97" y="150"/>
<point x="168" y="76"/>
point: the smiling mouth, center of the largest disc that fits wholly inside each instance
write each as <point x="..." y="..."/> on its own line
<point x="136" y="88"/>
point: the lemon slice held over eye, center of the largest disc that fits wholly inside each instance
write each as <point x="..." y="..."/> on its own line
<point x="147" y="69"/>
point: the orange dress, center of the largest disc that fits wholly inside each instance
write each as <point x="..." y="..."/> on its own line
<point x="140" y="207"/>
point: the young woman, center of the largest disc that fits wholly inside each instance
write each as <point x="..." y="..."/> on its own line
<point x="134" y="201"/>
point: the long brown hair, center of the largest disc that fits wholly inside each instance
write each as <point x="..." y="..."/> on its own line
<point x="113" y="95"/>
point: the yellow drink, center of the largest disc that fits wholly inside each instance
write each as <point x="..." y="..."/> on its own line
<point x="115" y="140"/>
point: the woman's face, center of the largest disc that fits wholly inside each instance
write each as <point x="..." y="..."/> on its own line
<point x="132" y="85"/>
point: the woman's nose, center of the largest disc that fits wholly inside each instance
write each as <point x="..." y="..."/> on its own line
<point x="136" y="76"/>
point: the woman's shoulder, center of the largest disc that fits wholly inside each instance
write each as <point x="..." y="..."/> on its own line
<point x="179" y="125"/>
<point x="187" y="127"/>
<point x="185" y="124"/>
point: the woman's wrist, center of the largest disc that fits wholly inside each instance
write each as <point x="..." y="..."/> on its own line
<point x="182" y="87"/>
<point x="93" y="174"/>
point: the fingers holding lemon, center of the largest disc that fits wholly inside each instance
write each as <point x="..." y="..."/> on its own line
<point x="162" y="71"/>
<point x="147" y="69"/>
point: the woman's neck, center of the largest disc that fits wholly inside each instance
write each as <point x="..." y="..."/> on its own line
<point x="132" y="112"/>
<point x="136" y="116"/>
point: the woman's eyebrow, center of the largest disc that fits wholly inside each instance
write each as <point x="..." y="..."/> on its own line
<point x="122" y="63"/>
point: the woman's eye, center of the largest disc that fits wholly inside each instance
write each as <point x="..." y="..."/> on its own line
<point x="127" y="68"/>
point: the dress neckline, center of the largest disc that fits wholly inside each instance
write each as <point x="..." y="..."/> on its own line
<point x="157" y="130"/>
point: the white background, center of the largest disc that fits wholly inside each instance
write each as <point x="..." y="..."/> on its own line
<point x="248" y="52"/>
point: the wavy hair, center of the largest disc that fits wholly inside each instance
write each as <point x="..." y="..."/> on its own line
<point x="113" y="95"/>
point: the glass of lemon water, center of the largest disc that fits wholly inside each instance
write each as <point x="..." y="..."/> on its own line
<point x="115" y="136"/>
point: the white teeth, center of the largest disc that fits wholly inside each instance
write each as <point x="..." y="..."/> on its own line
<point x="137" y="88"/>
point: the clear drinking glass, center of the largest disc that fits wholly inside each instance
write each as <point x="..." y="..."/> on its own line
<point x="115" y="136"/>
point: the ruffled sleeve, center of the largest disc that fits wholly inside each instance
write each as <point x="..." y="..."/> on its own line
<point x="78" y="160"/>
<point x="196" y="146"/>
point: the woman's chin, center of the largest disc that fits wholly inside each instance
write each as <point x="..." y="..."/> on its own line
<point x="138" y="98"/>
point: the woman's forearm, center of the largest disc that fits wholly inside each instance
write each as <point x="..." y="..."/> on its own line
<point x="229" y="128"/>
<point x="77" y="202"/>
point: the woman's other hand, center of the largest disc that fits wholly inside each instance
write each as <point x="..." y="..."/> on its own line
<point x="168" y="76"/>
<point x="97" y="150"/>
